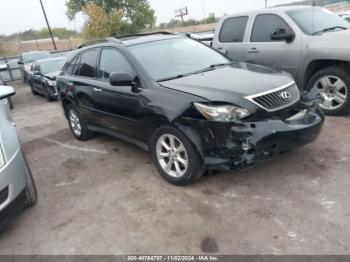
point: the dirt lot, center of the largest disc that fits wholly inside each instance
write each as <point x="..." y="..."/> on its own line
<point x="105" y="197"/>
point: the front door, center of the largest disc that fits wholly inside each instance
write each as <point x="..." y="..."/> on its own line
<point x="118" y="106"/>
<point x="277" y="54"/>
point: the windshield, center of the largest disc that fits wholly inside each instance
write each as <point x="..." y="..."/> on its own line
<point x="314" y="19"/>
<point x="52" y="66"/>
<point x="173" y="57"/>
<point x="28" y="58"/>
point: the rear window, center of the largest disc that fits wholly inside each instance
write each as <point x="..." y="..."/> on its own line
<point x="87" y="64"/>
<point x="233" y="29"/>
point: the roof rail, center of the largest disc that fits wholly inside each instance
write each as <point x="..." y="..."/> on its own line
<point x="144" y="34"/>
<point x="100" y="41"/>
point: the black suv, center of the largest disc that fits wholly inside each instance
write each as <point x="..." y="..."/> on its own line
<point x="193" y="108"/>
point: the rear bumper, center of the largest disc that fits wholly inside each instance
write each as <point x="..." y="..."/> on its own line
<point x="231" y="146"/>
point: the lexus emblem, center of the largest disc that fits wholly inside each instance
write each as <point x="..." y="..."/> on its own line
<point x="285" y="95"/>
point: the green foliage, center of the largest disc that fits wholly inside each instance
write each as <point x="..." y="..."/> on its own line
<point x="99" y="23"/>
<point x="62" y="33"/>
<point x="135" y="14"/>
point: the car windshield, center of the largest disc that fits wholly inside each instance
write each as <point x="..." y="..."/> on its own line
<point x="173" y="58"/>
<point x="52" y="66"/>
<point x="315" y="20"/>
<point x="28" y="58"/>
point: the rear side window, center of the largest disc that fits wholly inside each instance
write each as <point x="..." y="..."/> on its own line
<point x="264" y="25"/>
<point x="233" y="29"/>
<point x="112" y="61"/>
<point x="87" y="64"/>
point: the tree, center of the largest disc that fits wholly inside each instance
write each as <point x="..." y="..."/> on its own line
<point x="99" y="23"/>
<point x="136" y="14"/>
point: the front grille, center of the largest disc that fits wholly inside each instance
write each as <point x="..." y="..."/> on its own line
<point x="278" y="98"/>
<point x="4" y="194"/>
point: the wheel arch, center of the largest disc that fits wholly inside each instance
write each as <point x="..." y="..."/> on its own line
<point x="319" y="64"/>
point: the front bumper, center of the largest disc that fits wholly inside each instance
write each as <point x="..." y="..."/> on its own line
<point x="231" y="146"/>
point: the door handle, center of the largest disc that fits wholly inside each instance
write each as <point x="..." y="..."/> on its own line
<point x="253" y="50"/>
<point x="97" y="90"/>
<point x="223" y="51"/>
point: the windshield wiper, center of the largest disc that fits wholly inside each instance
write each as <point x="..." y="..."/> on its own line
<point x="211" y="67"/>
<point x="330" y="29"/>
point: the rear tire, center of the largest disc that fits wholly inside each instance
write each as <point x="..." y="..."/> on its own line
<point x="334" y="85"/>
<point x="175" y="157"/>
<point x="77" y="124"/>
<point x="31" y="192"/>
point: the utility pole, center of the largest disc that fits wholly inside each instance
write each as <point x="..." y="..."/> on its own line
<point x="48" y="25"/>
<point x="266" y="3"/>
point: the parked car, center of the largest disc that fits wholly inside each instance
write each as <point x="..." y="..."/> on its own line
<point x="25" y="61"/>
<point x="311" y="43"/>
<point x="189" y="105"/>
<point x="205" y="36"/>
<point x="17" y="187"/>
<point x="3" y="83"/>
<point x="42" y="76"/>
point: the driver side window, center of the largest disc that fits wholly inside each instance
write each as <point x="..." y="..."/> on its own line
<point x="264" y="25"/>
<point x="112" y="61"/>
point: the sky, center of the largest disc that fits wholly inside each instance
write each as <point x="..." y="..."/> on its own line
<point x="20" y="15"/>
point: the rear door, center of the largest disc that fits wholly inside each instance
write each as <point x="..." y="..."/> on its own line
<point x="274" y="53"/>
<point x="118" y="106"/>
<point x="231" y="37"/>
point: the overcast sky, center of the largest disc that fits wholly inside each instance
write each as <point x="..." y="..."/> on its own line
<point x="20" y="15"/>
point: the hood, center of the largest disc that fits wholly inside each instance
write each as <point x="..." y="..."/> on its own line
<point x="336" y="41"/>
<point x="53" y="75"/>
<point x="230" y="83"/>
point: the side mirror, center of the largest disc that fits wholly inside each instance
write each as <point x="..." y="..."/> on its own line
<point x="37" y="73"/>
<point x="120" y="79"/>
<point x="6" y="91"/>
<point x="282" y="34"/>
<point x="19" y="62"/>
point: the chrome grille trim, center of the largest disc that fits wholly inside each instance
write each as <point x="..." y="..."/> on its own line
<point x="271" y="100"/>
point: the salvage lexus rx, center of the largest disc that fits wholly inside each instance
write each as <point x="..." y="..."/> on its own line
<point x="190" y="106"/>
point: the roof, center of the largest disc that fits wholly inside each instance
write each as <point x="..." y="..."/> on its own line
<point x="35" y="52"/>
<point x="51" y="59"/>
<point x="129" y="40"/>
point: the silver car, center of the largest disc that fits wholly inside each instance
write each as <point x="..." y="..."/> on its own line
<point x="311" y="43"/>
<point x="17" y="187"/>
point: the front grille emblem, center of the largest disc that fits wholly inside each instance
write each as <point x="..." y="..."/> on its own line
<point x="285" y="95"/>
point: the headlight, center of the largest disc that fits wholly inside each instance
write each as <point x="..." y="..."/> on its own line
<point x="2" y="158"/>
<point x="222" y="113"/>
<point x="51" y="83"/>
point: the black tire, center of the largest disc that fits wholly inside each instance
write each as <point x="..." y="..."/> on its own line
<point x="195" y="164"/>
<point x="35" y="93"/>
<point x="31" y="193"/>
<point x="341" y="73"/>
<point x="10" y="103"/>
<point x="85" y="132"/>
<point x="48" y="96"/>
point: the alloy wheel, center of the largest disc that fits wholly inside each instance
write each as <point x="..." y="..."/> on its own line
<point x="75" y="122"/>
<point x="333" y="90"/>
<point x="172" y="155"/>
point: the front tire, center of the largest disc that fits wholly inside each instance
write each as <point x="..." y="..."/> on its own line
<point x="77" y="124"/>
<point x="31" y="192"/>
<point x="175" y="157"/>
<point x="48" y="96"/>
<point x="334" y="86"/>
